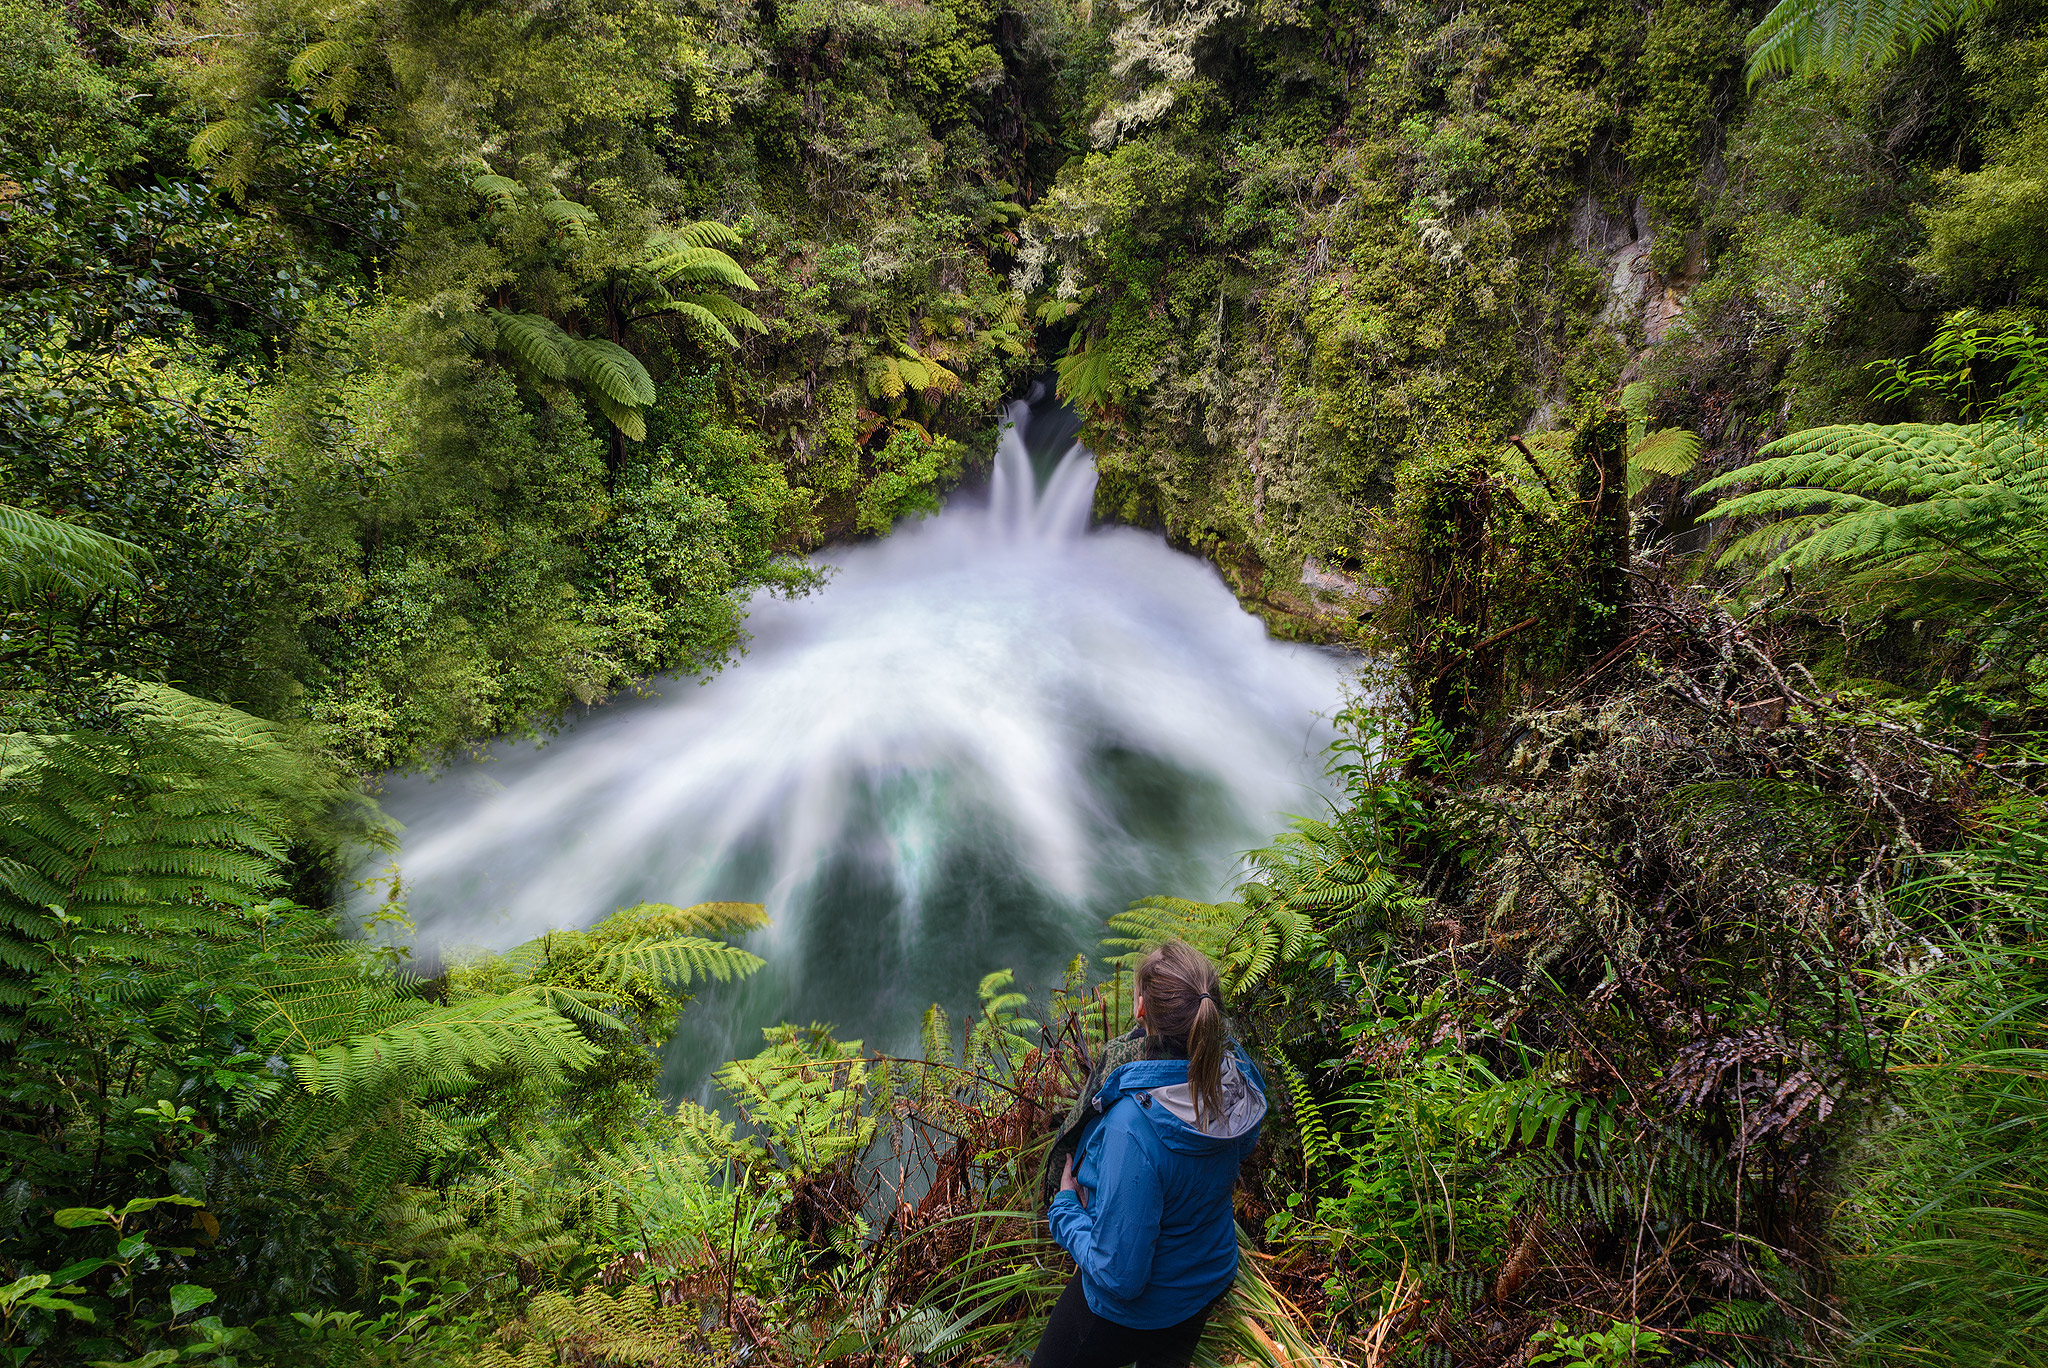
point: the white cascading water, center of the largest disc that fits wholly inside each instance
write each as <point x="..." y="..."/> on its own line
<point x="988" y="732"/>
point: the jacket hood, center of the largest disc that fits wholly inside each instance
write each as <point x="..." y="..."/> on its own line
<point x="1161" y="1089"/>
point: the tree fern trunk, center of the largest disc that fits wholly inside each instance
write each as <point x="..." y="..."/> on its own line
<point x="1603" y="445"/>
<point x="1452" y="683"/>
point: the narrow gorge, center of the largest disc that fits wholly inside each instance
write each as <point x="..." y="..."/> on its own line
<point x="621" y="621"/>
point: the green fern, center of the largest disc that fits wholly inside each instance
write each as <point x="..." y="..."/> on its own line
<point x="537" y="341"/>
<point x="631" y="1324"/>
<point x="1001" y="1034"/>
<point x="677" y="261"/>
<point x="613" y="377"/>
<point x="1317" y="1143"/>
<point x="40" y="555"/>
<point x="1669" y="1174"/>
<point x="1534" y="1108"/>
<point x="434" y="1051"/>
<point x="612" y="371"/>
<point x="893" y="374"/>
<point x="1335" y="869"/>
<point x="109" y="843"/>
<point x="1667" y="451"/>
<point x="1087" y="374"/>
<point x="1844" y="37"/>
<point x="567" y="214"/>
<point x="688" y="259"/>
<point x="504" y="193"/>
<point x="813" y="1100"/>
<point x="1931" y="516"/>
<point x="326" y="70"/>
<point x="1245" y="943"/>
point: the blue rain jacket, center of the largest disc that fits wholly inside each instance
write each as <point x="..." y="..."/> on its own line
<point x="1157" y="1241"/>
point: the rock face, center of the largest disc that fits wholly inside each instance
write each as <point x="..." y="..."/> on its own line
<point x="1324" y="583"/>
<point x="1636" y="293"/>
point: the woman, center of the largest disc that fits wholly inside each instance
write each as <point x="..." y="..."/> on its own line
<point x="1146" y="1213"/>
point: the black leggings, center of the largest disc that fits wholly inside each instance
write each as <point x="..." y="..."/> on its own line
<point x="1076" y="1337"/>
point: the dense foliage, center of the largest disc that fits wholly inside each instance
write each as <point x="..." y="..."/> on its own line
<point x="1662" y="405"/>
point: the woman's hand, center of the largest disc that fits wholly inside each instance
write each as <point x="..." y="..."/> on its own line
<point x="1067" y="1183"/>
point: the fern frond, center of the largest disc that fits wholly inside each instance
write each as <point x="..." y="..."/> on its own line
<point x="1244" y="943"/>
<point x="1317" y="1144"/>
<point x="317" y="60"/>
<point x="1087" y="375"/>
<point x="629" y="1325"/>
<point x="1668" y="451"/>
<point x="630" y="421"/>
<point x="135" y="837"/>
<point x="702" y="919"/>
<point x="1954" y="512"/>
<point x="701" y="265"/>
<point x="537" y="341"/>
<point x="884" y="377"/>
<point x="681" y="959"/>
<point x="1636" y="399"/>
<point x="611" y="371"/>
<point x="444" y="1050"/>
<point x="701" y="233"/>
<point x="39" y="554"/>
<point x="567" y="214"/>
<point x="729" y="311"/>
<point x="215" y="141"/>
<point x="697" y="313"/>
<point x="502" y="191"/>
<point x="1843" y="37"/>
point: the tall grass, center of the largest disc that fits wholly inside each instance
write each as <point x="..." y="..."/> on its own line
<point x="1946" y="1220"/>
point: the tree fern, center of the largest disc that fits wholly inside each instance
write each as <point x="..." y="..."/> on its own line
<point x="367" y="1054"/>
<point x="39" y="555"/>
<point x="705" y="264"/>
<point x="327" y="71"/>
<point x="436" y="1050"/>
<point x="1244" y="942"/>
<point x="615" y="380"/>
<point x="1666" y="451"/>
<point x="902" y="369"/>
<point x="566" y="214"/>
<point x="648" y="941"/>
<point x="1086" y="374"/>
<point x="612" y="376"/>
<point x="679" y="959"/>
<point x="109" y="841"/>
<point x="699" y="919"/>
<point x="1843" y="37"/>
<point x="1928" y="516"/>
<point x="537" y="341"/>
<point x="504" y="193"/>
<point x="610" y="370"/>
<point x="682" y="264"/>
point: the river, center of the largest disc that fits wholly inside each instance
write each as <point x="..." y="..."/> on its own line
<point x="988" y="732"/>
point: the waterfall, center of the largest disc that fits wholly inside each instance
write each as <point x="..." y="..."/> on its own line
<point x="989" y="731"/>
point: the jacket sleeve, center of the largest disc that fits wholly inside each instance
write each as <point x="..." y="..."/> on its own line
<point x="1112" y="1240"/>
